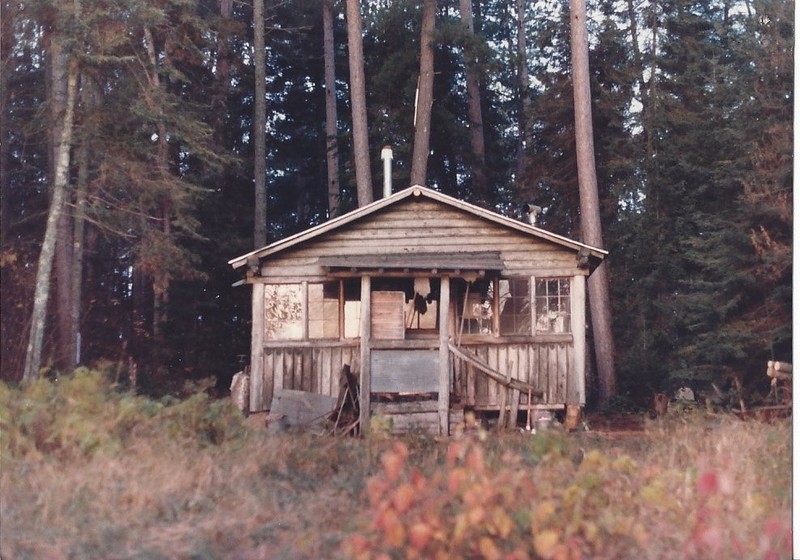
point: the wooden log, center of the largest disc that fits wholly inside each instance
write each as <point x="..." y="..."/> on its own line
<point x="779" y="370"/>
<point x="492" y="373"/>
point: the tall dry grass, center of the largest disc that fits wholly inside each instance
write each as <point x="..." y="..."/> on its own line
<point x="89" y="473"/>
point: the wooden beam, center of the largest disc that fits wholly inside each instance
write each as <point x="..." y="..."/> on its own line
<point x="478" y="364"/>
<point x="365" y="327"/>
<point x="260" y="393"/>
<point x="444" y="356"/>
<point x="576" y="381"/>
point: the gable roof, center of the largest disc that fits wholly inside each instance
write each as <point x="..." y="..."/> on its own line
<point x="415" y="191"/>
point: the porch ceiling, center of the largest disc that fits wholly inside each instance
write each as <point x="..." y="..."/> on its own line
<point x="488" y="260"/>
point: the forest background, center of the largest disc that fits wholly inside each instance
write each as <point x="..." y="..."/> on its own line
<point x="692" y="111"/>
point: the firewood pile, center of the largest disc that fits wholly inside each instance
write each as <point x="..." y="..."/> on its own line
<point x="780" y="394"/>
<point x="780" y="374"/>
<point x="345" y="416"/>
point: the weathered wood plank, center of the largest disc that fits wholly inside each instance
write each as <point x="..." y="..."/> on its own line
<point x="301" y="408"/>
<point x="444" y="357"/>
<point x="576" y="382"/>
<point x="387" y="318"/>
<point x="490" y="371"/>
<point x="277" y="370"/>
<point x="259" y="386"/>
<point x="365" y="334"/>
<point x="405" y="371"/>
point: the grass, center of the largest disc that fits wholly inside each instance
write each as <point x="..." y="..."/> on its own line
<point x="89" y="473"/>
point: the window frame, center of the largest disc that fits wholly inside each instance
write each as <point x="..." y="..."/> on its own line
<point x="303" y="301"/>
<point x="496" y="332"/>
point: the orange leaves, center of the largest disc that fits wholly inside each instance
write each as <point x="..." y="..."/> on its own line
<point x="483" y="501"/>
<point x="419" y="535"/>
<point x="403" y="498"/>
<point x="456" y="479"/>
<point x="546" y="542"/>
<point x="393" y="461"/>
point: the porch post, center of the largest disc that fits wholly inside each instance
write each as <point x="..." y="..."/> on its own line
<point x="365" y="332"/>
<point x="259" y="394"/>
<point x="576" y="384"/>
<point x="444" y="357"/>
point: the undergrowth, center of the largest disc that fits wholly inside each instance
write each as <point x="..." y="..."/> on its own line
<point x="89" y="472"/>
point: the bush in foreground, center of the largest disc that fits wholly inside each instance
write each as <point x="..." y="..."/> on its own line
<point x="695" y="493"/>
<point x="87" y="472"/>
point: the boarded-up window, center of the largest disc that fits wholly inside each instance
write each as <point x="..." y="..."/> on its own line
<point x="323" y="310"/>
<point x="515" y="306"/>
<point x="552" y="305"/>
<point x="283" y="308"/>
<point x="388" y="315"/>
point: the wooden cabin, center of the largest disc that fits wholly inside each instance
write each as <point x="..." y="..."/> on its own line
<point x="435" y="304"/>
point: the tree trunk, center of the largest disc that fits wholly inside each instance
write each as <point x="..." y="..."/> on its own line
<point x="57" y="99"/>
<point x="331" y="119"/>
<point x="160" y="287"/>
<point x="260" y="126"/>
<point x="358" y="101"/>
<point x="599" y="298"/>
<point x="6" y="42"/>
<point x="33" y="355"/>
<point x="524" y="140"/>
<point x="78" y="237"/>
<point x="88" y="102"/>
<point x="222" y="79"/>
<point x="476" y="137"/>
<point x="422" y="122"/>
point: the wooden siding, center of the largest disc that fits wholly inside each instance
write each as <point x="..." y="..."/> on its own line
<point x="303" y="368"/>
<point x="545" y="365"/>
<point x="405" y="371"/>
<point x="413" y="226"/>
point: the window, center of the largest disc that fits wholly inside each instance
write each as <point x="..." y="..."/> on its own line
<point x="323" y="310"/>
<point x="510" y="299"/>
<point x="515" y="305"/>
<point x="552" y="305"/>
<point x="283" y="307"/>
<point x="314" y="310"/>
<point x="476" y="314"/>
<point x="351" y="288"/>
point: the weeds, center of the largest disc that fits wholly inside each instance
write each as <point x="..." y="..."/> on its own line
<point x="88" y="472"/>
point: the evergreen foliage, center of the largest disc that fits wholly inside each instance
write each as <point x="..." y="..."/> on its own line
<point x="693" y="138"/>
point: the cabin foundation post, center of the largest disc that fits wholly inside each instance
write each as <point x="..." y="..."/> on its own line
<point x="365" y="333"/>
<point x="444" y="357"/>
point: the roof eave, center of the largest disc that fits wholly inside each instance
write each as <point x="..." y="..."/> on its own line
<point x="415" y="190"/>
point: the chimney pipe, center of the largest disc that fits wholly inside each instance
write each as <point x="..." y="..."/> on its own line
<point x="533" y="212"/>
<point x="386" y="156"/>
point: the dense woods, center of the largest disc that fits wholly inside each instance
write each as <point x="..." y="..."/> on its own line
<point x="138" y="123"/>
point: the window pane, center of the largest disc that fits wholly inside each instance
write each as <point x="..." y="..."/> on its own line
<point x="515" y="306"/>
<point x="352" y="307"/>
<point x="475" y="315"/>
<point x="283" y="306"/>
<point x="552" y="305"/>
<point x="323" y="310"/>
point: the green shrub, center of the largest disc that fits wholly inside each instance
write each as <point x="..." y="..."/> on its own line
<point x="82" y="414"/>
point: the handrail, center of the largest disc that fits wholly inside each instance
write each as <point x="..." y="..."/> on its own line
<point x="485" y="368"/>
